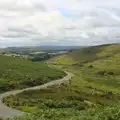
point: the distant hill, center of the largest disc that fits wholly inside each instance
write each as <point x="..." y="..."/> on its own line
<point x="41" y="48"/>
<point x="60" y="47"/>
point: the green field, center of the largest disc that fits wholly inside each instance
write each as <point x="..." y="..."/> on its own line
<point x="93" y="94"/>
<point x="16" y="73"/>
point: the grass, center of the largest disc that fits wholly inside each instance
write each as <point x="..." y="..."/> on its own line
<point x="93" y="94"/>
<point x="16" y="73"/>
<point x="108" y="113"/>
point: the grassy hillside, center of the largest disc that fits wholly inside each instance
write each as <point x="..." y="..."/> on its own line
<point x="93" y="94"/>
<point x="16" y="73"/>
<point x="89" y="54"/>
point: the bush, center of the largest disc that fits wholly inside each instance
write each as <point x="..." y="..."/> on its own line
<point x="90" y="66"/>
<point x="102" y="72"/>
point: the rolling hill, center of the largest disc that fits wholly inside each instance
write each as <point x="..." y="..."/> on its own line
<point x="93" y="93"/>
<point x="17" y="73"/>
<point x="41" y="48"/>
<point x="88" y="54"/>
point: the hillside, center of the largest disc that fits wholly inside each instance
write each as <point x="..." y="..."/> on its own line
<point x="98" y="64"/>
<point x="16" y="73"/>
<point x="93" y="93"/>
<point x="89" y="54"/>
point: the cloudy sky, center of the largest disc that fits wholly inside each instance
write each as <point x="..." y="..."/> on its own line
<point x="63" y="22"/>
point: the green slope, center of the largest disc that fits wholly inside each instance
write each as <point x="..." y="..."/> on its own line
<point x="93" y="94"/>
<point x="98" y="64"/>
<point x="89" y="54"/>
<point x="16" y="73"/>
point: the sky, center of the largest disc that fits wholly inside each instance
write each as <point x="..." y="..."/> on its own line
<point x="59" y="22"/>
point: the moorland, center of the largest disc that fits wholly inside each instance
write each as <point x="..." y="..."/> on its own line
<point x="92" y="94"/>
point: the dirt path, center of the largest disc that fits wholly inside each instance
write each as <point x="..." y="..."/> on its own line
<point x="6" y="112"/>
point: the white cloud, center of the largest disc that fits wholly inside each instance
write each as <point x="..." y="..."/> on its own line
<point x="79" y="22"/>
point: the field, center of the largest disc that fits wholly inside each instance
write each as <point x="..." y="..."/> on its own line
<point x="16" y="73"/>
<point x="93" y="94"/>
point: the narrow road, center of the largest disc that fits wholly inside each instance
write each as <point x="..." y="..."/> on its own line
<point x="6" y="112"/>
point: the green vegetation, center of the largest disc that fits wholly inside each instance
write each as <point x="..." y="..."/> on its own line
<point x="84" y="55"/>
<point x="16" y="73"/>
<point x="41" y="57"/>
<point x="108" y="113"/>
<point x="35" y="54"/>
<point x="93" y="94"/>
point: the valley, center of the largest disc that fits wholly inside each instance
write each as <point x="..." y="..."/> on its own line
<point x="17" y="73"/>
<point x="92" y="94"/>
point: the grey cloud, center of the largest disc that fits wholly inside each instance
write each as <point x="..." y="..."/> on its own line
<point x="15" y="36"/>
<point x="15" y="6"/>
<point x="70" y="28"/>
<point x="26" y="30"/>
<point x="40" y="7"/>
<point x="43" y="22"/>
<point x="23" y="30"/>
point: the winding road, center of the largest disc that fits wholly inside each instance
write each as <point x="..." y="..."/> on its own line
<point x="6" y="112"/>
